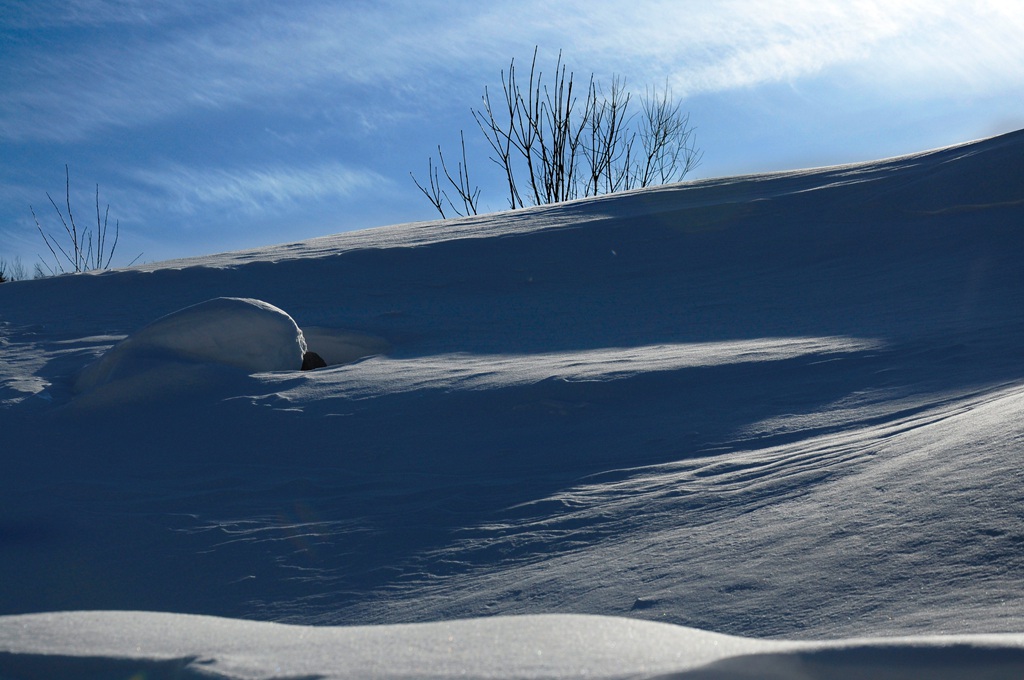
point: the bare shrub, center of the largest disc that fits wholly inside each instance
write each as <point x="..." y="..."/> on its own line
<point x="12" y="271"/>
<point x="552" y="144"/>
<point x="78" y="250"/>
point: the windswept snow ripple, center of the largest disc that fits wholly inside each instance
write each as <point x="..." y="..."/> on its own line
<point x="464" y="371"/>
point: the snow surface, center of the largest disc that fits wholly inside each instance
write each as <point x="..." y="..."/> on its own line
<point x="148" y="645"/>
<point x="665" y="432"/>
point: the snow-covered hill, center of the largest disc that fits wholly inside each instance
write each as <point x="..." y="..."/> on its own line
<point x="780" y="406"/>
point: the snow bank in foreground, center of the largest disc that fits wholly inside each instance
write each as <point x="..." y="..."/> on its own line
<point x="119" y="644"/>
<point x="240" y="332"/>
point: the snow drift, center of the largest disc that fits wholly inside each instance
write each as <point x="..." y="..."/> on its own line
<point x="777" y="407"/>
<point x="248" y="334"/>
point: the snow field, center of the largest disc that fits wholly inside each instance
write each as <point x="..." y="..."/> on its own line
<point x="785" y="406"/>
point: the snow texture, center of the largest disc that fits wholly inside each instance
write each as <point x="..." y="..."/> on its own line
<point x="752" y="427"/>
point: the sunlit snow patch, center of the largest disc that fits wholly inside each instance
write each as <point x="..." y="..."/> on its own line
<point x="238" y="332"/>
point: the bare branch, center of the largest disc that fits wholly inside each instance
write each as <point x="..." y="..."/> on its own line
<point x="467" y="195"/>
<point x="434" y="194"/>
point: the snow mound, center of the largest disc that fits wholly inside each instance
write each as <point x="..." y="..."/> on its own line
<point x="239" y="332"/>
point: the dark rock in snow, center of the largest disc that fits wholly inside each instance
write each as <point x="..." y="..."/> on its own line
<point x="311" y="360"/>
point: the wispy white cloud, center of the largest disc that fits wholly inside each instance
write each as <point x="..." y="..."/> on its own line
<point x="272" y="54"/>
<point x="708" y="47"/>
<point x="190" y="191"/>
<point x="32" y="14"/>
<point x="64" y="86"/>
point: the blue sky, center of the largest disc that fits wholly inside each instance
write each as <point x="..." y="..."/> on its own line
<point x="215" y="125"/>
